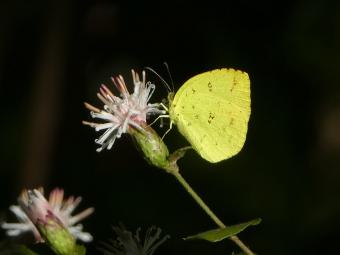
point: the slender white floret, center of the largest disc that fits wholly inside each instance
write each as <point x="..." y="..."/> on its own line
<point x="124" y="112"/>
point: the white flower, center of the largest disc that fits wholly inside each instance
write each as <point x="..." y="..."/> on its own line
<point x="34" y="208"/>
<point x="128" y="243"/>
<point x="25" y="225"/>
<point x="124" y="112"/>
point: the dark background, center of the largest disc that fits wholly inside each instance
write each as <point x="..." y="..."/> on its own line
<point x="55" y="54"/>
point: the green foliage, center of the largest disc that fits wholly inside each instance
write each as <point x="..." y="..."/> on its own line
<point x="80" y="250"/>
<point x="25" y="251"/>
<point x="217" y="235"/>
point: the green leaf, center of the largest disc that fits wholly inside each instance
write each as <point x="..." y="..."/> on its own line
<point x="217" y="235"/>
<point x="81" y="250"/>
<point x="24" y="250"/>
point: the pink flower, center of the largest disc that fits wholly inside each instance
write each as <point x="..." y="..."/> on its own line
<point x="34" y="209"/>
<point x="124" y="112"/>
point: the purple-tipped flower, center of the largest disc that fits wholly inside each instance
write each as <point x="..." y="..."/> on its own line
<point x="124" y="112"/>
<point x="34" y="211"/>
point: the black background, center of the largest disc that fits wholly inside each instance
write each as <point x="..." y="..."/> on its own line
<point x="55" y="54"/>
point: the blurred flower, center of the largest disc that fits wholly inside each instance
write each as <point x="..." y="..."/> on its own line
<point x="124" y="112"/>
<point x="34" y="210"/>
<point x="129" y="244"/>
<point x="25" y="225"/>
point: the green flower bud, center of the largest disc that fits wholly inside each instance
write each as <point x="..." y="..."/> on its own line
<point x="58" y="238"/>
<point x="153" y="148"/>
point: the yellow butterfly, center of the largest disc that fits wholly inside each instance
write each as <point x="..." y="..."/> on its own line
<point x="212" y="110"/>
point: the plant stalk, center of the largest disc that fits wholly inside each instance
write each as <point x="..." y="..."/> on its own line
<point x="210" y="213"/>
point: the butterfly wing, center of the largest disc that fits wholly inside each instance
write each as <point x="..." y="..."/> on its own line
<point x="211" y="110"/>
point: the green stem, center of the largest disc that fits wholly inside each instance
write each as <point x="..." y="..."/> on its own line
<point x="211" y="214"/>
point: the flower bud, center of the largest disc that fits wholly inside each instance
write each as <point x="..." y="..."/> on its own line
<point x="51" y="221"/>
<point x="153" y="148"/>
<point x="59" y="239"/>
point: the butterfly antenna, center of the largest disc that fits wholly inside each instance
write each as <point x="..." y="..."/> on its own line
<point x="164" y="82"/>
<point x="169" y="73"/>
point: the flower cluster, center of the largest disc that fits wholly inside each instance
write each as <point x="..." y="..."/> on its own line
<point x="34" y="209"/>
<point x="124" y="112"/>
<point x="128" y="243"/>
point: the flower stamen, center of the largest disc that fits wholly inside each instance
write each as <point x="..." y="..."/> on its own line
<point x="122" y="113"/>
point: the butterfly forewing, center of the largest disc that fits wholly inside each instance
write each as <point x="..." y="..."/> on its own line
<point x="212" y="110"/>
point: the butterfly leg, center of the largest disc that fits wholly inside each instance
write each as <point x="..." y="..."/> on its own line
<point x="164" y="107"/>
<point x="168" y="129"/>
<point x="161" y="117"/>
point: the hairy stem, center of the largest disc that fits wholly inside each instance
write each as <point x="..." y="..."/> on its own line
<point x="211" y="214"/>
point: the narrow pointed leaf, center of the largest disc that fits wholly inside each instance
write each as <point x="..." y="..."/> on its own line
<point x="219" y="234"/>
<point x="25" y="251"/>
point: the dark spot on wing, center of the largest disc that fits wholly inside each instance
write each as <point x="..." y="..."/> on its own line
<point x="196" y="116"/>
<point x="211" y="117"/>
<point x="231" y="122"/>
<point x="193" y="107"/>
<point x="210" y="86"/>
<point x="193" y="91"/>
<point x="234" y="84"/>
